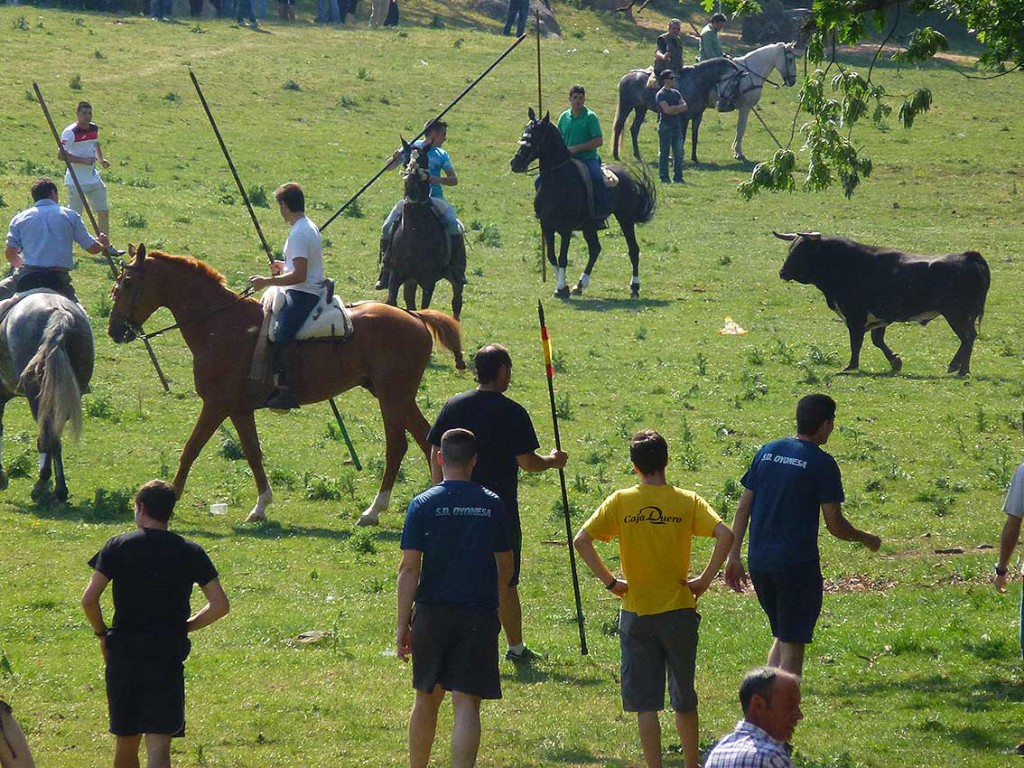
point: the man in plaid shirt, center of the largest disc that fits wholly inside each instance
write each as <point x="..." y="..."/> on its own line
<point x="770" y="699"/>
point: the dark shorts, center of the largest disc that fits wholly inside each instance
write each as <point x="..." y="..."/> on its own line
<point x="651" y="646"/>
<point x="791" y="598"/>
<point x="456" y="648"/>
<point x="145" y="695"/>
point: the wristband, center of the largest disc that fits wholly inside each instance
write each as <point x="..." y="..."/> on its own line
<point x="1000" y="571"/>
<point x="611" y="584"/>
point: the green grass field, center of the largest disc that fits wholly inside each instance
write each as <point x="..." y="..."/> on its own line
<point x="916" y="661"/>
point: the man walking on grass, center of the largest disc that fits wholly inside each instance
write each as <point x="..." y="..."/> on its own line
<point x="789" y="485"/>
<point x="455" y="552"/>
<point x="144" y="650"/>
<point x="655" y="524"/>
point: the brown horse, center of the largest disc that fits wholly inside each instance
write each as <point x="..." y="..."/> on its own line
<point x="387" y="355"/>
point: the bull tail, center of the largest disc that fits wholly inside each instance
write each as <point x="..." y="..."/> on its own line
<point x="984" y="280"/>
<point x="49" y="372"/>
<point x="445" y="329"/>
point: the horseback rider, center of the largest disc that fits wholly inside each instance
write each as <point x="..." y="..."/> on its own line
<point x="301" y="276"/>
<point x="435" y="132"/>
<point x="581" y="131"/>
<point x="40" y="242"/>
<point x="710" y="45"/>
<point x="669" y="53"/>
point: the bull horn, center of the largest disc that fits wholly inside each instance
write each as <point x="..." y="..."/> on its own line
<point x="788" y="237"/>
<point x="810" y="235"/>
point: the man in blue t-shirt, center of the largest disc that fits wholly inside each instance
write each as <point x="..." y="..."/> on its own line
<point x="455" y="548"/>
<point x="442" y="173"/>
<point x="787" y="484"/>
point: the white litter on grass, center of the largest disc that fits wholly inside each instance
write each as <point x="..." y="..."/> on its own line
<point x="389" y="652"/>
<point x="732" y="328"/>
<point x="330" y="599"/>
<point x="313" y="636"/>
<point x="605" y="51"/>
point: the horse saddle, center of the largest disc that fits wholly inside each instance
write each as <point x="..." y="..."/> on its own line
<point x="8" y="304"/>
<point x="729" y="92"/>
<point x="328" y="320"/>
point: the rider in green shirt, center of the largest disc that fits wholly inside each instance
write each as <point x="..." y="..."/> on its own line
<point x="581" y="131"/>
<point x="710" y="45"/>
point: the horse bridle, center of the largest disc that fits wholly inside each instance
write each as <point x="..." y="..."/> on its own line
<point x="789" y="55"/>
<point x="527" y="141"/>
<point x="136" y="328"/>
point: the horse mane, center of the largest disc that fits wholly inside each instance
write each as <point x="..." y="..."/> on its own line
<point x="199" y="268"/>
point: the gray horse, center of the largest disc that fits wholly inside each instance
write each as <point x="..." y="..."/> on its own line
<point x="47" y="355"/>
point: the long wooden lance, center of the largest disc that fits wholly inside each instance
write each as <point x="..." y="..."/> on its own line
<point x="92" y="220"/>
<point x="540" y="111"/>
<point x="263" y="241"/>
<point x="441" y="114"/>
<point x="549" y="369"/>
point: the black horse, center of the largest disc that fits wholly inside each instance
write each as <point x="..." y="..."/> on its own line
<point x="561" y="201"/>
<point x="419" y="247"/>
<point x="694" y="83"/>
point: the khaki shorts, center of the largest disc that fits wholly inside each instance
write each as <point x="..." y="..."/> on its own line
<point x="97" y="197"/>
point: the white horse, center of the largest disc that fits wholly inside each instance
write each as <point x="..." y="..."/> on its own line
<point x="756" y="67"/>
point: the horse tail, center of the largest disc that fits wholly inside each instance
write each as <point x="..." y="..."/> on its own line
<point x="445" y="329"/>
<point x="646" y="193"/>
<point x="50" y="373"/>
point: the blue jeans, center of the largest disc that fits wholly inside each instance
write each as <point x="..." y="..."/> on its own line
<point x="263" y="9"/>
<point x="444" y="210"/>
<point x="327" y="12"/>
<point x="520" y="8"/>
<point x="600" y="191"/>
<point x="670" y="138"/>
<point x="161" y="9"/>
<point x="243" y="8"/>
<point x="297" y="306"/>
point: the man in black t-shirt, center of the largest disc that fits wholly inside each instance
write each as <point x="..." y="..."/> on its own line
<point x="145" y="647"/>
<point x="506" y="442"/>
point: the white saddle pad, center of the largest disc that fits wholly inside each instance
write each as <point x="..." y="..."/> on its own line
<point x="327" y="320"/>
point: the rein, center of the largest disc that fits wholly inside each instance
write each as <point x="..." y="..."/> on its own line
<point x="137" y="330"/>
<point x="743" y="65"/>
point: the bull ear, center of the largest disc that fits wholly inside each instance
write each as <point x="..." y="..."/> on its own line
<point x="788" y="237"/>
<point x="532" y="114"/>
<point x="140" y="253"/>
<point x="131" y="251"/>
<point x="810" y="235"/>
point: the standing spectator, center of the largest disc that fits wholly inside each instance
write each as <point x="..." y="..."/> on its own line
<point x="80" y="146"/>
<point x="710" y="45"/>
<point x="669" y="51"/>
<point x="506" y="442"/>
<point x="455" y="548"/>
<point x="517" y="9"/>
<point x="161" y="10"/>
<point x="655" y="524"/>
<point x="1014" y="510"/>
<point x="153" y="571"/>
<point x="195" y="8"/>
<point x="40" y="244"/>
<point x="770" y="699"/>
<point x="581" y="130"/>
<point x="244" y="8"/>
<point x="671" y="106"/>
<point x="327" y="12"/>
<point x="789" y="485"/>
<point x="378" y="12"/>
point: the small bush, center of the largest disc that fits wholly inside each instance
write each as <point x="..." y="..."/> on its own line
<point x="172" y="97"/>
<point x="21" y="465"/>
<point x="75" y="83"/>
<point x="489" y="235"/>
<point x="702" y="364"/>
<point x="363" y="74"/>
<point x="258" y="196"/>
<point x="348" y="102"/>
<point x="354" y="210"/>
<point x="291" y="85"/>
<point x="134" y="220"/>
<point x="111" y="505"/>
<point x="230" y="446"/>
<point x="99" y="406"/>
<point x="563" y="406"/>
<point x="98" y="55"/>
<point x="362" y="542"/>
<point x="3" y="203"/>
<point x="20" y="23"/>
<point x="320" y="488"/>
<point x="103" y="306"/>
<point x="196" y="29"/>
<point x="226" y="198"/>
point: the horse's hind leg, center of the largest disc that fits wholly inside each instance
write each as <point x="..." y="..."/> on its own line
<point x="457" y="289"/>
<point x="634" y="130"/>
<point x="245" y="426"/>
<point x="428" y="295"/>
<point x="694" y="130"/>
<point x="593" y="251"/>
<point x="561" y="286"/>
<point x="741" y="128"/>
<point x="409" y="294"/>
<point x="60" y="485"/>
<point x="629" y="232"/>
<point x="42" y="486"/>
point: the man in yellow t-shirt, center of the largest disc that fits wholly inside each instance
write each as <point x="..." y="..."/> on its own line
<point x="655" y="523"/>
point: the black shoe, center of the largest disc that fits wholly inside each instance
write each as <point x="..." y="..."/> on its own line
<point x="282" y="399"/>
<point x="678" y="181"/>
<point x="562" y="293"/>
<point x="526" y="656"/>
<point x="380" y="285"/>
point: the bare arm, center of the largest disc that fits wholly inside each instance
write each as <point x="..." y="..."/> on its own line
<point x="300" y="265"/>
<point x="435" y="467"/>
<point x="735" y="575"/>
<point x="1007" y="543"/>
<point x="586" y="146"/>
<point x="13" y="255"/>
<point x="673" y="109"/>
<point x="449" y="179"/>
<point x="534" y="462"/>
<point x="217" y="607"/>
<point x="843" y="529"/>
<point x="101" y="244"/>
<point x="585" y="546"/>
<point x="76" y="159"/>
<point x="408" y="580"/>
<point x="506" y="567"/>
<point x="93" y="611"/>
<point x="723" y="544"/>
<point x="99" y="156"/>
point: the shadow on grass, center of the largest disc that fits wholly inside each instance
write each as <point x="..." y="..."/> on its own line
<point x="584" y="304"/>
<point x="530" y="673"/>
<point x="48" y="508"/>
<point x="273" y="530"/>
<point x="584" y="757"/>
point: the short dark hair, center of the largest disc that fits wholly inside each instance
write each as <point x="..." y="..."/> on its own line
<point x="578" y="89"/>
<point x="718" y="17"/>
<point x="665" y="74"/>
<point x="82" y="105"/>
<point x="648" y="451"/>
<point x="489" y="360"/>
<point x="812" y="411"/>
<point x="157" y="497"/>
<point x="760" y="681"/>
<point x="458" y="446"/>
<point x="43" y="189"/>
<point x="434" y="125"/>
<point x="291" y="195"/>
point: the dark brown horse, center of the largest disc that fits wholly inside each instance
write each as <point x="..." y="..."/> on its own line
<point x="387" y="355"/>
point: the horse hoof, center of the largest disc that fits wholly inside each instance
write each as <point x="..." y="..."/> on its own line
<point x="460" y="363"/>
<point x="634" y="293"/>
<point x="61" y="494"/>
<point x="741" y="158"/>
<point x="897" y="364"/>
<point x="39" y="492"/>
<point x="256" y="516"/>
<point x="562" y="293"/>
<point x="577" y="290"/>
<point x="368" y="519"/>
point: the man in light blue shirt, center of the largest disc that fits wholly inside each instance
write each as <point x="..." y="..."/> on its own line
<point x="40" y="243"/>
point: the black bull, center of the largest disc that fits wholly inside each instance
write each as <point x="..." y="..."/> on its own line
<point x="871" y="287"/>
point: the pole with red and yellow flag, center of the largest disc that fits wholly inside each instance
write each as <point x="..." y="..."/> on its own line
<point x="550" y="370"/>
